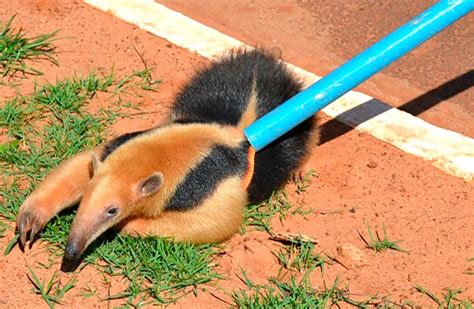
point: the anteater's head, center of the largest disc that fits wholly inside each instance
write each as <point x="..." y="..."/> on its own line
<point x="112" y="195"/>
<point x="139" y="177"/>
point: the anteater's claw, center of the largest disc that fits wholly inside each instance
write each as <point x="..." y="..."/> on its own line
<point x="34" y="230"/>
<point x="23" y="228"/>
<point x="28" y="223"/>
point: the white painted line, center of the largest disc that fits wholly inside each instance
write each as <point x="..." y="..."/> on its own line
<point x="447" y="150"/>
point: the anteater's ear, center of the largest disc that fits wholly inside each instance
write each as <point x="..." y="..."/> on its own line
<point x="95" y="164"/>
<point x="151" y="184"/>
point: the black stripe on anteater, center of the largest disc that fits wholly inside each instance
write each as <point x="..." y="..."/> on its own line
<point x="112" y="145"/>
<point x="223" y="162"/>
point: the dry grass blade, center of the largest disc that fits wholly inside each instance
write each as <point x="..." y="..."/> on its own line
<point x="288" y="238"/>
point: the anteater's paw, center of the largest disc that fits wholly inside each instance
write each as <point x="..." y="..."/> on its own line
<point x="298" y="175"/>
<point x="302" y="172"/>
<point x="29" y="222"/>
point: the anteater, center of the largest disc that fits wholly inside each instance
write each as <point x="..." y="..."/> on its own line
<point x="190" y="178"/>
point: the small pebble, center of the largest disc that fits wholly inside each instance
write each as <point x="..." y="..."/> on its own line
<point x="372" y="164"/>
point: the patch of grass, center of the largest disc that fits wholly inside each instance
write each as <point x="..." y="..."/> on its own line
<point x="259" y="215"/>
<point x="449" y="299"/>
<point x="299" y="255"/>
<point x="277" y="294"/>
<point x="295" y="293"/>
<point x="52" y="291"/>
<point x="12" y="116"/>
<point x="298" y="293"/>
<point x="49" y="131"/>
<point x="379" y="244"/>
<point x="53" y="124"/>
<point x="12" y="197"/>
<point x="155" y="267"/>
<point x="16" y="50"/>
<point x="70" y="94"/>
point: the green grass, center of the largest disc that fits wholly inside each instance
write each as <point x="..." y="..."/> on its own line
<point x="17" y="50"/>
<point x="299" y="293"/>
<point x="48" y="126"/>
<point x="294" y="293"/>
<point x="156" y="267"/>
<point x="299" y="255"/>
<point x="259" y="216"/>
<point x="379" y="244"/>
<point x="52" y="124"/>
<point x="449" y="299"/>
<point x="51" y="291"/>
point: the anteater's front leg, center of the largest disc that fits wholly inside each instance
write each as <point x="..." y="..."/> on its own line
<point x="60" y="189"/>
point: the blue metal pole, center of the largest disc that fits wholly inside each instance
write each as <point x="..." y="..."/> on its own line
<point x="305" y="104"/>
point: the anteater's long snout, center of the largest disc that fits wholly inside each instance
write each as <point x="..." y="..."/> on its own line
<point x="83" y="232"/>
<point x="73" y="251"/>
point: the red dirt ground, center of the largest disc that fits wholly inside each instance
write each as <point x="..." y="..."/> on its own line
<point x="360" y="179"/>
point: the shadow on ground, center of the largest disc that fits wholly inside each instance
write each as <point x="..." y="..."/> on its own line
<point x="334" y="128"/>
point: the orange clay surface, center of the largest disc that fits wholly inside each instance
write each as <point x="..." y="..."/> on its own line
<point x="359" y="180"/>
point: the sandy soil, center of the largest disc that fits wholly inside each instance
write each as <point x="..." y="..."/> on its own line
<point x="360" y="180"/>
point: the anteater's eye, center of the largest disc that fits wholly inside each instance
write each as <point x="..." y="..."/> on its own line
<point x="112" y="211"/>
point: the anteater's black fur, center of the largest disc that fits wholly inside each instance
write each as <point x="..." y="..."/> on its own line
<point x="219" y="94"/>
<point x="116" y="142"/>
<point x="200" y="183"/>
